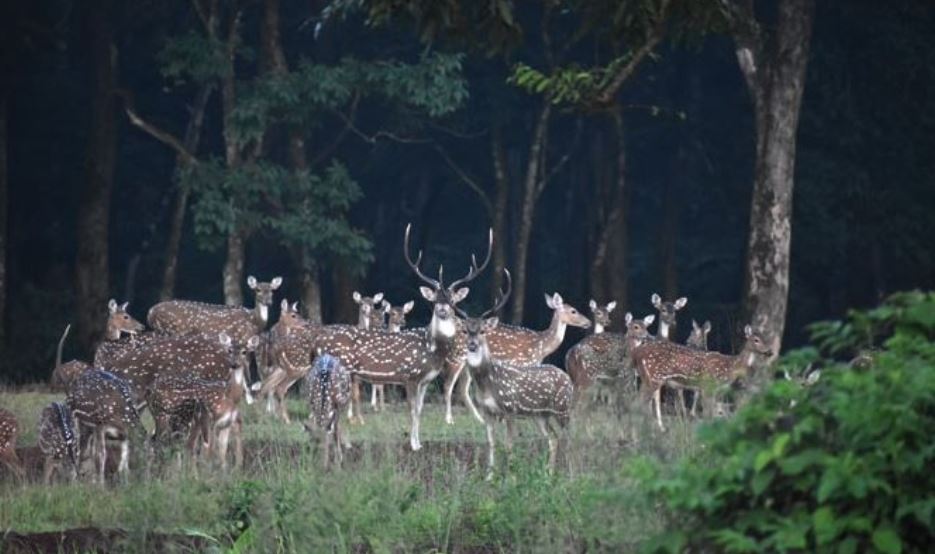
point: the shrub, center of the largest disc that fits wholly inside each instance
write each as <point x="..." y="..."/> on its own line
<point x="844" y="465"/>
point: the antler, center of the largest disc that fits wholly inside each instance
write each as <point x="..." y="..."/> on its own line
<point x="474" y="271"/>
<point x="415" y="264"/>
<point x="504" y="295"/>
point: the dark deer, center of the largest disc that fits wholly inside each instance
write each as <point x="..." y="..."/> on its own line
<point x="104" y="406"/>
<point x="520" y="346"/>
<point x="329" y="391"/>
<point x="660" y="362"/>
<point x="413" y="357"/>
<point x="59" y="442"/>
<point x="698" y="338"/>
<point x="9" y="432"/>
<point x="395" y="321"/>
<point x="504" y="390"/>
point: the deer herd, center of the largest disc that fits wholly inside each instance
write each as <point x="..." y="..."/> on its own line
<point x="192" y="371"/>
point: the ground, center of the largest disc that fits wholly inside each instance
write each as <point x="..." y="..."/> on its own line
<point x="384" y="499"/>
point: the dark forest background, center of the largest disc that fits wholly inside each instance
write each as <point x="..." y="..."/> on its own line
<point x="436" y="133"/>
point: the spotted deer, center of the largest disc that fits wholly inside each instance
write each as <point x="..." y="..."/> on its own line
<point x="518" y="345"/>
<point x="698" y="338"/>
<point x="370" y="315"/>
<point x="505" y="390"/>
<point x="210" y="408"/>
<point x="291" y="343"/>
<point x="395" y="321"/>
<point x="328" y="384"/>
<point x="661" y="362"/>
<point x="104" y="407"/>
<point x="412" y="357"/>
<point x="176" y="317"/>
<point x="123" y="332"/>
<point x="600" y="355"/>
<point x="9" y="432"/>
<point x="58" y="440"/>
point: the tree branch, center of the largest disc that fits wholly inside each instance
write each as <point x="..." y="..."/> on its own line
<point x="372" y="139"/>
<point x="342" y="134"/>
<point x="471" y="183"/>
<point x="562" y="161"/>
<point x="161" y="135"/>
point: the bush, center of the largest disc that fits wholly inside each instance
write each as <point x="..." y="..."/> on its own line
<point x="844" y="465"/>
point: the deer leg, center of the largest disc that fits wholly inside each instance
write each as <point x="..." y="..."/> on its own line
<point x="490" y="450"/>
<point x="695" y="394"/>
<point x="223" y="440"/>
<point x="510" y="434"/>
<point x="546" y="431"/>
<point x="238" y="442"/>
<point x="451" y="379"/>
<point x="657" y="400"/>
<point x="12" y="461"/>
<point x="412" y="396"/>
<point x="123" y="467"/>
<point x="100" y="444"/>
<point x="464" y="384"/>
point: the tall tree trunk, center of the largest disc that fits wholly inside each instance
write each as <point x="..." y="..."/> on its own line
<point x="3" y="211"/>
<point x="528" y="209"/>
<point x="91" y="264"/>
<point x="344" y="310"/>
<point x="179" y="207"/>
<point x="668" y="231"/>
<point x="775" y="75"/>
<point x="501" y="202"/>
<point x="311" y="290"/>
<point x="233" y="269"/>
<point x="610" y="256"/>
<point x="232" y="274"/>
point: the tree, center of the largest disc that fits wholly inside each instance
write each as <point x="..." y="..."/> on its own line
<point x="91" y="264"/>
<point x="773" y="66"/>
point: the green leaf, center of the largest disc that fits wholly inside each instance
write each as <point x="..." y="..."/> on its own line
<point x="826" y="528"/>
<point x="887" y="540"/>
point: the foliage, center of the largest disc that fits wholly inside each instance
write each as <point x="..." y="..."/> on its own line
<point x="192" y="56"/>
<point x="842" y="465"/>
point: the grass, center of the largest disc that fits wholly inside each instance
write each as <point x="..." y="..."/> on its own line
<point x="385" y="499"/>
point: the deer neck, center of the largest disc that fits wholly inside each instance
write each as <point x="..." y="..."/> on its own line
<point x="394" y="328"/>
<point x="363" y="321"/>
<point x="479" y="362"/>
<point x="261" y="314"/>
<point x="236" y="385"/>
<point x="665" y="329"/>
<point x="112" y="334"/>
<point x="551" y="338"/>
<point x="598" y="328"/>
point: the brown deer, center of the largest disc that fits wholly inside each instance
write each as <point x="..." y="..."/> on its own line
<point x="210" y="406"/>
<point x="667" y="315"/>
<point x="660" y="362"/>
<point x="291" y="343"/>
<point x="370" y="315"/>
<point x="328" y="385"/>
<point x="519" y="346"/>
<point x="412" y="357"/>
<point x="504" y="390"/>
<point x="123" y="332"/>
<point x="58" y="441"/>
<point x="698" y="338"/>
<point x="599" y="355"/>
<point x="395" y="321"/>
<point x="9" y="432"/>
<point x="104" y="407"/>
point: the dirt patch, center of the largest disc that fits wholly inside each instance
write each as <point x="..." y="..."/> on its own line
<point x="92" y="539"/>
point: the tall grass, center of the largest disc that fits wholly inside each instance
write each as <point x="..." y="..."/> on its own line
<point x="385" y="499"/>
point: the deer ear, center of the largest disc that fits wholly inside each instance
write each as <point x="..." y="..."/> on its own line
<point x="123" y="307"/>
<point x="611" y="306"/>
<point x="706" y="327"/>
<point x="408" y="306"/>
<point x="460" y="295"/>
<point x="656" y="300"/>
<point x="253" y="342"/>
<point x="385" y="306"/>
<point x="427" y="293"/>
<point x="747" y="331"/>
<point x="592" y="304"/>
<point x="813" y="377"/>
<point x="251" y="282"/>
<point x="224" y="339"/>
<point x="491" y="323"/>
<point x="680" y="303"/>
<point x="275" y="283"/>
<point x="648" y="320"/>
<point x="377" y="297"/>
<point x="356" y="297"/>
<point x="112" y="305"/>
<point x="627" y="318"/>
<point x="284" y="305"/>
<point x="695" y="326"/>
<point x="295" y="306"/>
<point x="557" y="299"/>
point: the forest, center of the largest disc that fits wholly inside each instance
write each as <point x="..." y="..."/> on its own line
<point x="769" y="160"/>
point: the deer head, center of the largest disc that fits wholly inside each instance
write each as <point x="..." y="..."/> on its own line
<point x="754" y="347"/>
<point x="637" y="329"/>
<point x="397" y="315"/>
<point x="367" y="305"/>
<point x="566" y="313"/>
<point x="476" y="328"/>
<point x="601" y="315"/>
<point x="289" y="315"/>
<point x="238" y="361"/>
<point x="699" y="335"/>
<point x="120" y="322"/>
<point x="263" y="292"/>
<point x="444" y="297"/>
<point x="667" y="313"/>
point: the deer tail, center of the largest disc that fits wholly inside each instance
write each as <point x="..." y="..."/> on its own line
<point x="61" y="344"/>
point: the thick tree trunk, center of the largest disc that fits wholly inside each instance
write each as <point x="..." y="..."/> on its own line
<point x="528" y="210"/>
<point x="177" y="222"/>
<point x="3" y="212"/>
<point x="311" y="293"/>
<point x="608" y="267"/>
<point x="233" y="270"/>
<point x="668" y="231"/>
<point x="501" y="203"/>
<point x="91" y="264"/>
<point x="776" y="80"/>
<point x="344" y="310"/>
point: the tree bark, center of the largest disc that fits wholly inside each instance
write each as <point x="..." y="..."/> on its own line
<point x="528" y="209"/>
<point x="668" y="231"/>
<point x="501" y="202"/>
<point x="179" y="207"/>
<point x="775" y="75"/>
<point x="233" y="269"/>
<point x="610" y="256"/>
<point x="91" y="265"/>
<point x="3" y="211"/>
